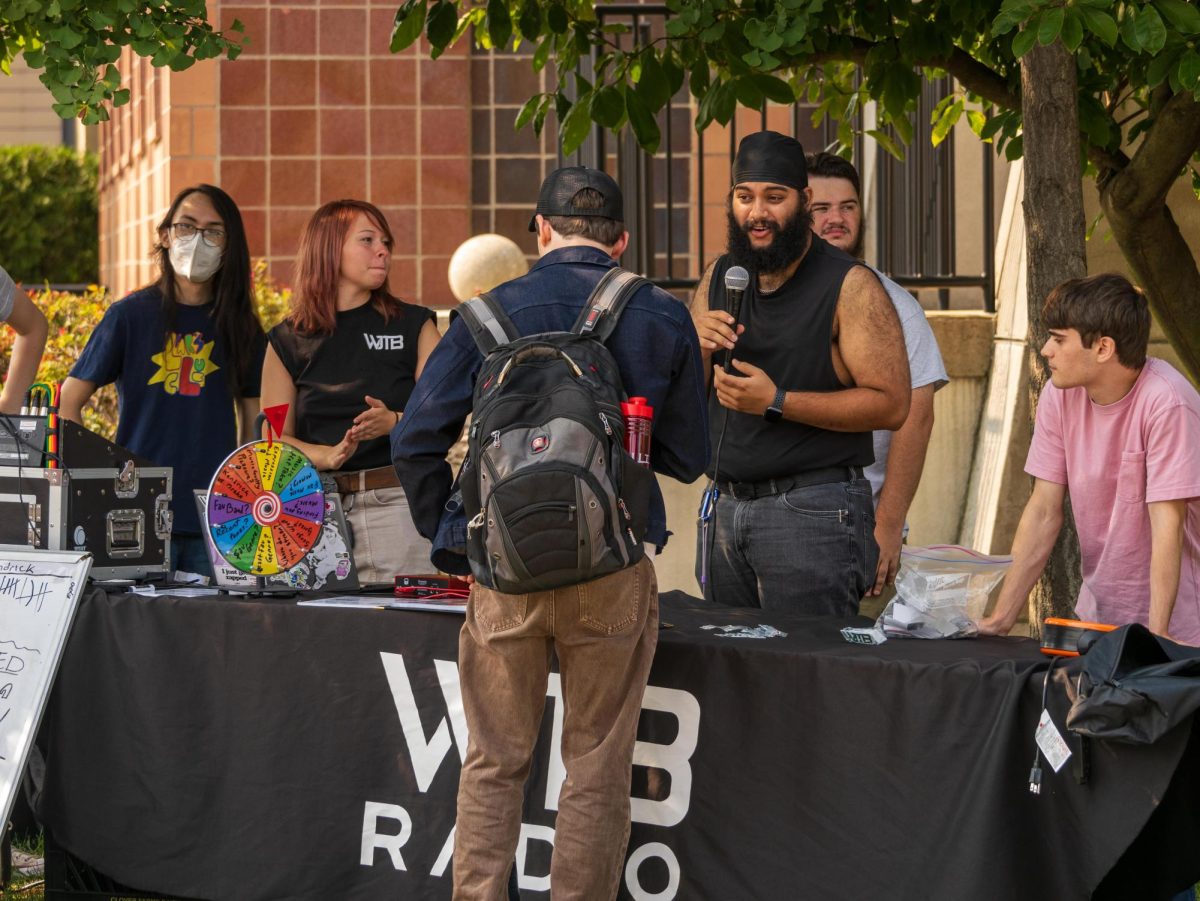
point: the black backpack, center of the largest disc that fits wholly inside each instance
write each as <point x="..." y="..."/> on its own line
<point x="551" y="495"/>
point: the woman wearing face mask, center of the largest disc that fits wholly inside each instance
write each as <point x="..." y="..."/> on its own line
<point x="346" y="360"/>
<point x="186" y="353"/>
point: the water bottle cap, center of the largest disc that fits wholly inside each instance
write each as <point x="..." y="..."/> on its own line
<point x="637" y="406"/>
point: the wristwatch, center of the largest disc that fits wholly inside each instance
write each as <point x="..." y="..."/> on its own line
<point x="774" y="412"/>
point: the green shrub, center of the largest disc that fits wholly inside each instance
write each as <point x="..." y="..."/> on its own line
<point x="49" y="228"/>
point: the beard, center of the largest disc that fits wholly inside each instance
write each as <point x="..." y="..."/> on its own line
<point x="789" y="242"/>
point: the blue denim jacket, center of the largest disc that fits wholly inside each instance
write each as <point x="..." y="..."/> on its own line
<point x="656" y="350"/>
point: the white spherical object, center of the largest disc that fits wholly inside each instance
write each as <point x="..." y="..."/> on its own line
<point x="482" y="262"/>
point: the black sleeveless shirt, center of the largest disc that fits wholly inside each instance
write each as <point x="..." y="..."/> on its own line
<point x="332" y="373"/>
<point x="789" y="336"/>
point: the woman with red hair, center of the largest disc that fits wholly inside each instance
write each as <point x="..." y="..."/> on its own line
<point x="345" y="361"/>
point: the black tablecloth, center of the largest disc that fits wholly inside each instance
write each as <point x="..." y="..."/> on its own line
<point x="218" y="748"/>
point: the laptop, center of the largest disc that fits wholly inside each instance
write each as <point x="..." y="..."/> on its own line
<point x="328" y="566"/>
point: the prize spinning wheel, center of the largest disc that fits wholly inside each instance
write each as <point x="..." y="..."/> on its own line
<point x="265" y="508"/>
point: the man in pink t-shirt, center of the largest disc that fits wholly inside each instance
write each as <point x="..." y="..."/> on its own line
<point x="1121" y="432"/>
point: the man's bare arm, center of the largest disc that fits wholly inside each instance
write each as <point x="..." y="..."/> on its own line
<point x="905" y="461"/>
<point x="1036" y="533"/>
<point x="1166" y="551"/>
<point x="872" y="347"/>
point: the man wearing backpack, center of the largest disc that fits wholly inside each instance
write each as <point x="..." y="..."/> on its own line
<point x="604" y="630"/>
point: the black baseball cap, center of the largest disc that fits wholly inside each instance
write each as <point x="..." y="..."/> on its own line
<point x="561" y="186"/>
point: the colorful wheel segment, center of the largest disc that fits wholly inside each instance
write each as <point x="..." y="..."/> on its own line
<point x="265" y="508"/>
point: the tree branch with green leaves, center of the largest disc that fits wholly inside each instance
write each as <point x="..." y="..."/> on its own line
<point x="77" y="45"/>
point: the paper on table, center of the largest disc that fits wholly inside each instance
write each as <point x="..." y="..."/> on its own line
<point x="449" y="605"/>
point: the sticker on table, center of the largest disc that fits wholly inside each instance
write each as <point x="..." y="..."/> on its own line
<point x="265" y="508"/>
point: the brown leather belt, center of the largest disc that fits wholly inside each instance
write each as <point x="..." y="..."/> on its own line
<point x="366" y="479"/>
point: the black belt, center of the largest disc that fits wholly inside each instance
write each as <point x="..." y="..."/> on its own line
<point x="748" y="491"/>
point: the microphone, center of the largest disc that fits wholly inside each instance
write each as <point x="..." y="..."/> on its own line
<point x="737" y="280"/>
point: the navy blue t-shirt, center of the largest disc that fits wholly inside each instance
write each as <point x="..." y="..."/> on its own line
<point x="175" y="406"/>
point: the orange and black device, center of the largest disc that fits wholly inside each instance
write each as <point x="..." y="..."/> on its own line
<point x="432" y="586"/>
<point x="1061" y="637"/>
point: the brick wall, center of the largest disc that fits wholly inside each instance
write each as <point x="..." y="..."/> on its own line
<point x="315" y="109"/>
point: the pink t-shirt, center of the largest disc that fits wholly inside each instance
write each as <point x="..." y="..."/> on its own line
<point x="1115" y="459"/>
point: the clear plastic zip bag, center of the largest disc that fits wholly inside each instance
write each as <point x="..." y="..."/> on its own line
<point x="941" y="592"/>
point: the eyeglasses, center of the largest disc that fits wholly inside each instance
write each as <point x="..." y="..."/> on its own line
<point x="213" y="237"/>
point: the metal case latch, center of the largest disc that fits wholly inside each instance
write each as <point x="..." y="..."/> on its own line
<point x="125" y="533"/>
<point x="164" y="519"/>
<point x="125" y="485"/>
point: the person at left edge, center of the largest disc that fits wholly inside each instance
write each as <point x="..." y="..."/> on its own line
<point x="30" y="325"/>
<point x="184" y="353"/>
<point x="345" y="361"/>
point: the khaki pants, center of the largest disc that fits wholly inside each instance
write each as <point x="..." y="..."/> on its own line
<point x="604" y="633"/>
<point x="386" y="543"/>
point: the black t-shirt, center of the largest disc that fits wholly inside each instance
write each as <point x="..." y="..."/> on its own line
<point x="334" y="373"/>
<point x="789" y="336"/>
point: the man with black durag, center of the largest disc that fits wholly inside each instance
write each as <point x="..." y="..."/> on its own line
<point x="817" y="362"/>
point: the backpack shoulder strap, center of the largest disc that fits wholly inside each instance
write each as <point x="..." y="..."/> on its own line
<point x="603" y="309"/>
<point x="487" y="322"/>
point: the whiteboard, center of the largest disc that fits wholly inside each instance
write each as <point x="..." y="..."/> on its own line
<point x="39" y="591"/>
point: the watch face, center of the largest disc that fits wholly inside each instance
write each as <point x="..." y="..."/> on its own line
<point x="773" y="414"/>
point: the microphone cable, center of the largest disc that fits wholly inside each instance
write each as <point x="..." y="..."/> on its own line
<point x="737" y="280"/>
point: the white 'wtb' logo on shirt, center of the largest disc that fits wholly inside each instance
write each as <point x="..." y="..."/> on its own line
<point x="384" y="342"/>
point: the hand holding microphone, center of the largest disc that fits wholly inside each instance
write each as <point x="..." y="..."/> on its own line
<point x="718" y="329"/>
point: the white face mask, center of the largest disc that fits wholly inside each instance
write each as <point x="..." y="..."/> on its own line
<point x="193" y="259"/>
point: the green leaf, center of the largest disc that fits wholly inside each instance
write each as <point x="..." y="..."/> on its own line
<point x="674" y="75"/>
<point x="699" y="79"/>
<point x="747" y="93"/>
<point x="65" y="110"/>
<point x="121" y="97"/>
<point x="775" y="89"/>
<point x="576" y="125"/>
<point x="947" y="121"/>
<point x="441" y="24"/>
<point x="976" y="121"/>
<point x="1184" y="17"/>
<point x="645" y="128"/>
<point x="557" y="17"/>
<point x="66" y="38"/>
<point x="529" y="23"/>
<point x="725" y="103"/>
<point x="542" y="54"/>
<point x="652" y="83"/>
<point x="527" y="111"/>
<point x="1128" y="29"/>
<point x="1072" y="31"/>
<point x="1023" y="42"/>
<point x="608" y="106"/>
<point x="1050" y="25"/>
<point x="1100" y="24"/>
<point x="1015" y="148"/>
<point x="887" y="142"/>
<point x="1151" y="31"/>
<point x="406" y="28"/>
<point x="992" y="126"/>
<point x="1159" y="68"/>
<point x="181" y="61"/>
<point x="1189" y="70"/>
<point x="499" y="24"/>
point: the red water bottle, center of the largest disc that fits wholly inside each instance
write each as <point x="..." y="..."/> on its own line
<point x="639" y="416"/>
